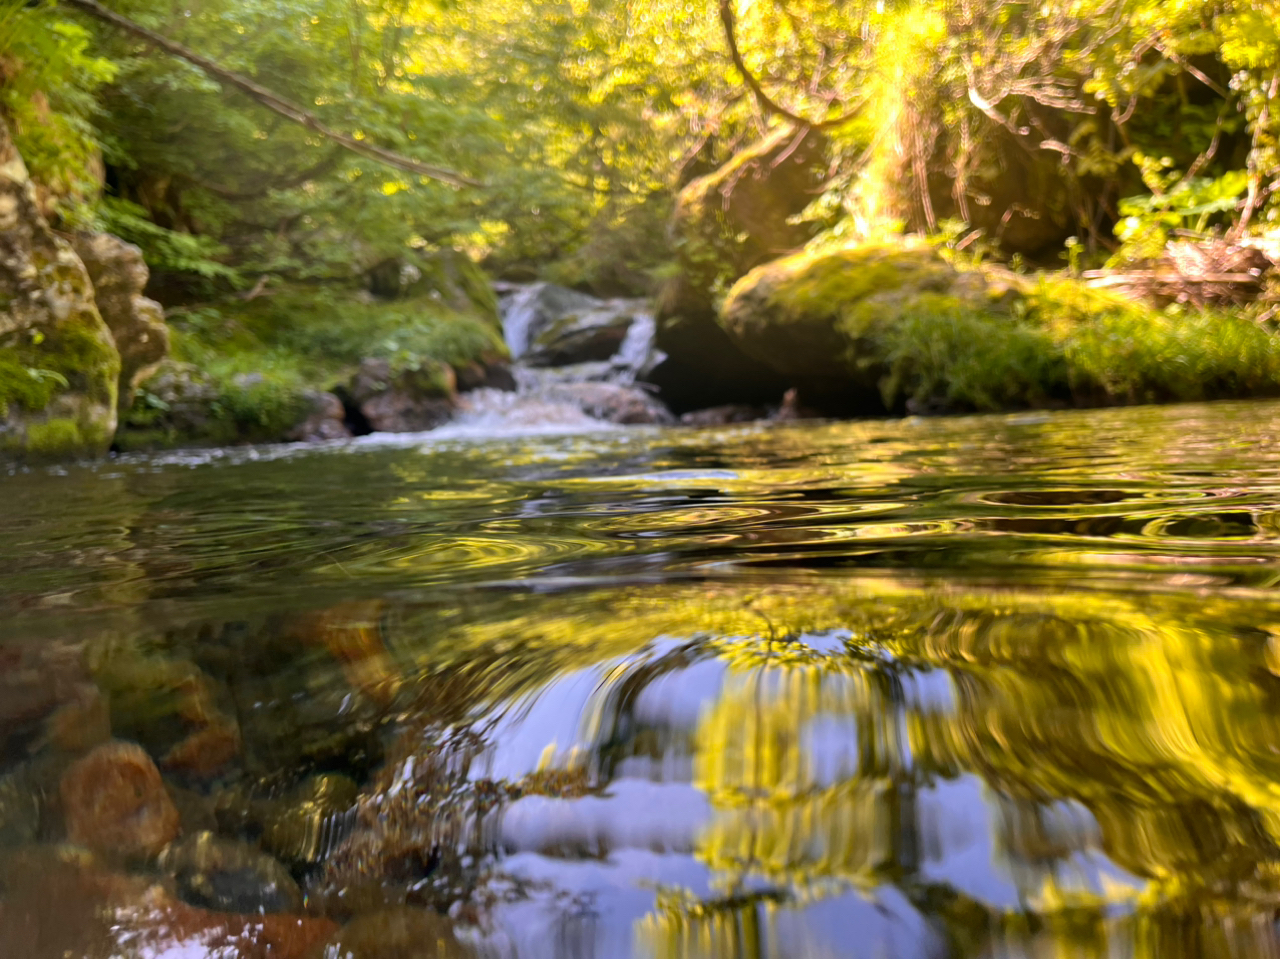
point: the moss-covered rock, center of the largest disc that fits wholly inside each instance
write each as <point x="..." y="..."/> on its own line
<point x="819" y="319"/>
<point x="255" y="371"/>
<point x="119" y="275"/>
<point x="58" y="363"/>
<point x="892" y="327"/>
<point x="724" y="224"/>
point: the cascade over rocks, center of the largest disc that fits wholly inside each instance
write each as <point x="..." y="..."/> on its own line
<point x="59" y="367"/>
<point x="725" y="224"/>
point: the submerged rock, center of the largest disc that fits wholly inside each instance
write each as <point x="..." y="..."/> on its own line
<point x="403" y="933"/>
<point x="115" y="802"/>
<point x="59" y="367"/>
<point x="119" y="275"/>
<point x="229" y="876"/>
<point x="312" y="820"/>
<point x="58" y="905"/>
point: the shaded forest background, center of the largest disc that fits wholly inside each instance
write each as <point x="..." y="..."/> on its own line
<point x="1087" y="132"/>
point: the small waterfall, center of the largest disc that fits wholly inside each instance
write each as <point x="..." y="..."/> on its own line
<point x="587" y="387"/>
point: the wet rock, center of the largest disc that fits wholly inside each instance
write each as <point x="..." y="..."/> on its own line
<point x="724" y="415"/>
<point x="312" y="820"/>
<point x="229" y="876"/>
<point x="56" y="905"/>
<point x="81" y="722"/>
<point x="488" y="372"/>
<point x="119" y="275"/>
<point x="404" y="401"/>
<point x="531" y="309"/>
<point x="403" y="933"/>
<point x="793" y="408"/>
<point x="206" y="751"/>
<point x="115" y="802"/>
<point x="325" y="421"/>
<point x="352" y="634"/>
<point x="169" y="705"/>
<point x="611" y="402"/>
<point x="46" y="695"/>
<point x="50" y="324"/>
<point x="593" y="333"/>
<point x="19" y="807"/>
<point x="196" y="811"/>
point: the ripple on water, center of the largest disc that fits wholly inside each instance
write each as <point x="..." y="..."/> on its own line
<point x="985" y="686"/>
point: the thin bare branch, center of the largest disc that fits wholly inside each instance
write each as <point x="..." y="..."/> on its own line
<point x="271" y="100"/>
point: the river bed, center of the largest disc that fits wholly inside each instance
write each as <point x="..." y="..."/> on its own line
<point x="973" y="687"/>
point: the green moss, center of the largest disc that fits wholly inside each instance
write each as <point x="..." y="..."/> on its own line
<point x="54" y="438"/>
<point x="73" y="357"/>
<point x="943" y="354"/>
<point x="900" y="319"/>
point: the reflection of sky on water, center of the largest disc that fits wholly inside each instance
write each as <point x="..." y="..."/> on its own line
<point x="589" y="868"/>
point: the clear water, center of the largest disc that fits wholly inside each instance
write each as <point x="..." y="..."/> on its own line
<point x="984" y="687"/>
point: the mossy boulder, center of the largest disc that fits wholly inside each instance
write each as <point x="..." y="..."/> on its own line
<point x="818" y="319"/>
<point x="724" y="224"/>
<point x="119" y="275"/>
<point x="896" y="327"/>
<point x="58" y="363"/>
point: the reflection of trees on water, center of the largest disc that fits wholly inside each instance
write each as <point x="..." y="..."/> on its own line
<point x="1093" y="775"/>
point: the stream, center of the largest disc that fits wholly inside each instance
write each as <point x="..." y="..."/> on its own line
<point x="997" y="686"/>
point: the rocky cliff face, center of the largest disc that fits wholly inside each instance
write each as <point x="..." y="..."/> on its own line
<point x="59" y="367"/>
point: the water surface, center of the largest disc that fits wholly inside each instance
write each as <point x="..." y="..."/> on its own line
<point x="991" y="686"/>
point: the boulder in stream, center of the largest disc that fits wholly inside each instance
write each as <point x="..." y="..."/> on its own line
<point x="229" y="876"/>
<point x="403" y="401"/>
<point x="611" y="402"/>
<point x="115" y="802"/>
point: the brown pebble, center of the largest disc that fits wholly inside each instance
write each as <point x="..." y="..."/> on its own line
<point x="115" y="802"/>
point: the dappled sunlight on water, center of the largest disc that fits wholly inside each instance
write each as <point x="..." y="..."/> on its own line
<point x="985" y="687"/>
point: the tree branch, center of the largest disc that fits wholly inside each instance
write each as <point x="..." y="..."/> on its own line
<point x="272" y="101"/>
<point x="767" y="103"/>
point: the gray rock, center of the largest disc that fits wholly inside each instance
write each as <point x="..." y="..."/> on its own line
<point x="229" y="876"/>
<point x="405" y="401"/>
